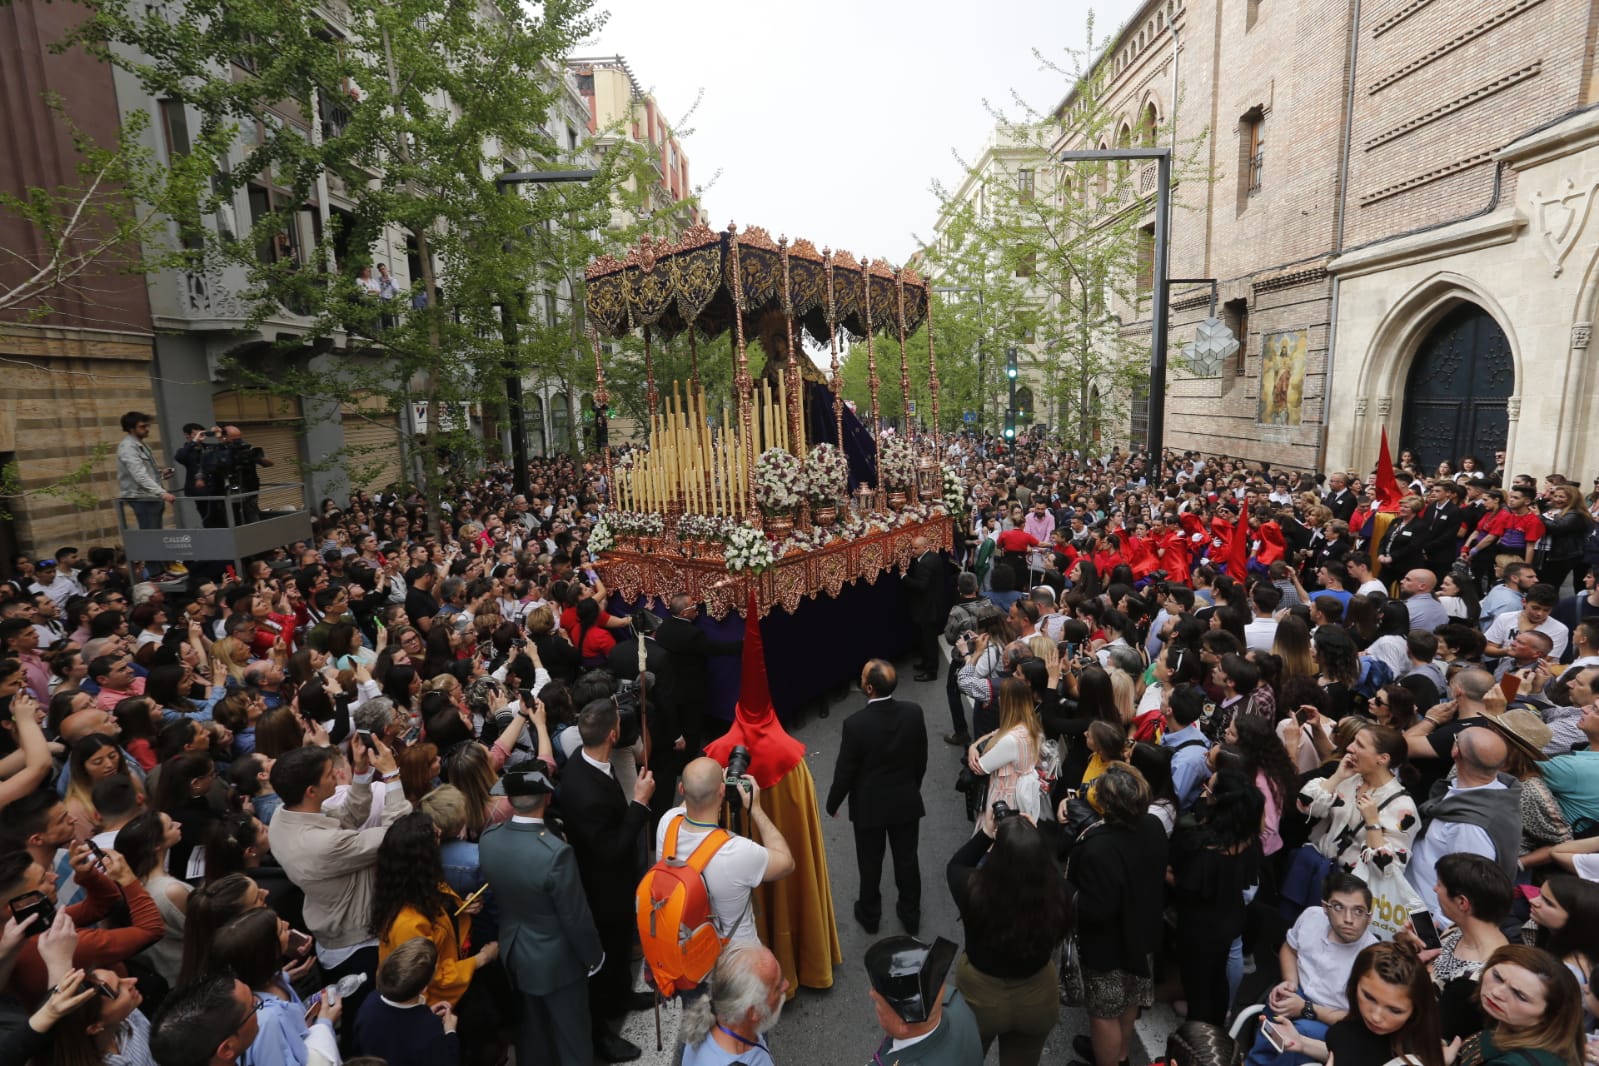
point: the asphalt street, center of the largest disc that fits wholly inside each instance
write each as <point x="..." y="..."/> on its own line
<point x="837" y="1025"/>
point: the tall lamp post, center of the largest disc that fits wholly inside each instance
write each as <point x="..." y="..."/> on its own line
<point x="508" y="331"/>
<point x="982" y="360"/>
<point x="1158" y="304"/>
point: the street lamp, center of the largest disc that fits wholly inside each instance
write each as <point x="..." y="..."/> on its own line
<point x="513" y="375"/>
<point x="982" y="361"/>
<point x="1158" y="304"/>
<point x="1010" y="412"/>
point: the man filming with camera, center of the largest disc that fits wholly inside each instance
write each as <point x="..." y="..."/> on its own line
<point x="738" y="865"/>
<point x="229" y="467"/>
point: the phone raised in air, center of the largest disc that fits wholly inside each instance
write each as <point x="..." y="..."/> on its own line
<point x="1426" y="929"/>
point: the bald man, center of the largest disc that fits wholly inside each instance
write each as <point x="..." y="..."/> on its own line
<point x="1425" y="610"/>
<point x="1479" y="813"/>
<point x="739" y="864"/>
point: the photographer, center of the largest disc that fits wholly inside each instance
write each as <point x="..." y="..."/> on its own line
<point x="740" y="864"/>
<point x="241" y="463"/>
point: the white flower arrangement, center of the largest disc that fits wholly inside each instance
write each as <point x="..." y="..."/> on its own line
<point x="600" y="538"/>
<point x="826" y="475"/>
<point x="954" y="491"/>
<point x="693" y="527"/>
<point x="896" y="464"/>
<point x="779" y="480"/>
<point x="748" y="549"/>
<point x="638" y="523"/>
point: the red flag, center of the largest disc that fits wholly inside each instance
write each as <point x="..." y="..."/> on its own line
<point x="773" y="752"/>
<point x="1387" y="488"/>
<point x="1272" y="544"/>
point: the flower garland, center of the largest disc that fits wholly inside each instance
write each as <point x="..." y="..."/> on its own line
<point x="748" y="549"/>
<point x="896" y="464"/>
<point x="779" y="480"/>
<point x="637" y="523"/>
<point x="826" y="475"/>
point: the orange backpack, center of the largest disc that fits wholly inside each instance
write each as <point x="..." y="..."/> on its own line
<point x="675" y="922"/>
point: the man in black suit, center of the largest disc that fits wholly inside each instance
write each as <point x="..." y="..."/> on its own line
<point x="1444" y="519"/>
<point x="925" y="582"/>
<point x="1339" y="500"/>
<point x="667" y="743"/>
<point x="881" y="762"/>
<point x="690" y="647"/>
<point x="1404" y="546"/>
<point x="603" y="829"/>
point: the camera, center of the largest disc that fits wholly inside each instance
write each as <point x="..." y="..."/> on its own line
<point x="738" y="764"/>
<point x="34" y="903"/>
<point x="1002" y="811"/>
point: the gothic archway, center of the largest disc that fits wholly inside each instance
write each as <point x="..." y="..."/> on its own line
<point x="1456" y="393"/>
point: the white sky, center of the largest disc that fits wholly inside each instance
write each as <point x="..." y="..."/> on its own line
<point x="830" y="119"/>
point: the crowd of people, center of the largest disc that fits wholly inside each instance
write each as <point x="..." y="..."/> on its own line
<point x="384" y="796"/>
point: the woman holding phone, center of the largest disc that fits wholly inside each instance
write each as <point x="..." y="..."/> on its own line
<point x="1393" y="1014"/>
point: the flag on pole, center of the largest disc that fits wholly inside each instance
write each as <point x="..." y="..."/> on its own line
<point x="1386" y="490"/>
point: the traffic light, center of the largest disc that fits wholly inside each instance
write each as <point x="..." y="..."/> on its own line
<point x="1010" y="363"/>
<point x="1010" y="423"/>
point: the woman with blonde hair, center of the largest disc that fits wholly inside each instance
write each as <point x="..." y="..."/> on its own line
<point x="1009" y="755"/>
<point x="1566" y="524"/>
<point x="1123" y="688"/>
<point x="468" y="768"/>
<point x="1292" y="646"/>
<point x="1534" y="1010"/>
<point x="232" y="653"/>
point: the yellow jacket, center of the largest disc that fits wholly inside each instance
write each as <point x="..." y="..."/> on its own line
<point x="453" y="973"/>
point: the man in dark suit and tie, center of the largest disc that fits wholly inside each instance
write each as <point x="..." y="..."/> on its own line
<point x="690" y="647"/>
<point x="1339" y="500"/>
<point x="604" y="830"/>
<point x="548" y="942"/>
<point x="924" y="582"/>
<point x="881" y="762"/>
<point x="1444" y="519"/>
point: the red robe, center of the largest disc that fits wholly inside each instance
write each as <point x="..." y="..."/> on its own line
<point x="1272" y="544"/>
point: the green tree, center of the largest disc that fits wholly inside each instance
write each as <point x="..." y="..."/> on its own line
<point x="407" y="109"/>
<point x="1078" y="240"/>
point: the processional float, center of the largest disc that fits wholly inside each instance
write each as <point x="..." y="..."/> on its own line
<point x="789" y="493"/>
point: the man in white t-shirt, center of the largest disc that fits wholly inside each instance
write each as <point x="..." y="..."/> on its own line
<point x="740" y="864"/>
<point x="1360" y="572"/>
<point x="1316" y="963"/>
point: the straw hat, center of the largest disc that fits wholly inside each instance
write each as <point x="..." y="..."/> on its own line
<point x="1524" y="728"/>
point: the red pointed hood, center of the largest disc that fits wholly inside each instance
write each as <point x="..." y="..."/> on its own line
<point x="1386" y="491"/>
<point x="1272" y="544"/>
<point x="773" y="752"/>
<point x="1238" y="547"/>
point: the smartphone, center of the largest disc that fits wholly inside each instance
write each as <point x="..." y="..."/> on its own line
<point x="34" y="903"/>
<point x="1302" y="716"/>
<point x="99" y="855"/>
<point x="313" y="1003"/>
<point x="299" y="943"/>
<point x="1425" y="928"/>
<point x="1510" y="684"/>
<point x="365" y="735"/>
<point x="1268" y="1029"/>
<point x="413" y="735"/>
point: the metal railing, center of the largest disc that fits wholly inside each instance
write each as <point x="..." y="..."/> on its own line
<point x="227" y="527"/>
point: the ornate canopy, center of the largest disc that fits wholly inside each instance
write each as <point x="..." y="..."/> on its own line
<point x="673" y="286"/>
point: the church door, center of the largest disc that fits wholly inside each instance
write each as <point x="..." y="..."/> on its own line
<point x="1454" y="400"/>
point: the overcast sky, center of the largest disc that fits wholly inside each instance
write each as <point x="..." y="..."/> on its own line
<point x="830" y="119"/>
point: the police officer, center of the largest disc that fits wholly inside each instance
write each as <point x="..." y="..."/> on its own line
<point x="928" y="1020"/>
<point x="548" y="943"/>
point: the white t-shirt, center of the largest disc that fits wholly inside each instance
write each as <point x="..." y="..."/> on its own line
<point x="729" y="877"/>
<point x="1260" y="634"/>
<point x="1324" y="960"/>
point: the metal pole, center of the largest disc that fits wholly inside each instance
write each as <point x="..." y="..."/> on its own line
<point x="1158" y="307"/>
<point x="1158" y="300"/>
<point x="508" y="330"/>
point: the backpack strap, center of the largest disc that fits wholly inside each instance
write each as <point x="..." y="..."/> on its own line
<point x="702" y="855"/>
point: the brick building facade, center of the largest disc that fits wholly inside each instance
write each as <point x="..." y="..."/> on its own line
<point x="1397" y="216"/>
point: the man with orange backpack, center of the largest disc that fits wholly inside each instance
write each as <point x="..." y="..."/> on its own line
<point x="697" y="897"/>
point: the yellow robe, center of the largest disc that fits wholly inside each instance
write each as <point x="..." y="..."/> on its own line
<point x="794" y="916"/>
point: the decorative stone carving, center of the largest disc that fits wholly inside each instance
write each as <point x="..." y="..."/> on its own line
<point x="1385" y="404"/>
<point x="1560" y="219"/>
<point x="1513" y="408"/>
<point x="1360" y="407"/>
<point x="1579" y="335"/>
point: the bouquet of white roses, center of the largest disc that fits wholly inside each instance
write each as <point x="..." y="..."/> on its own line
<point x="748" y="549"/>
<point x="778" y="481"/>
<point x="954" y="491"/>
<point x="600" y="537"/>
<point x="896" y="464"/>
<point x="826" y="475"/>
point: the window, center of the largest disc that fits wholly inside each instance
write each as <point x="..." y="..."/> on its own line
<point x="1147" y="125"/>
<point x="176" y="124"/>
<point x="1024" y="185"/>
<point x="1235" y="313"/>
<point x="1253" y="142"/>
<point x="1251" y="14"/>
<point x="1026" y="262"/>
<point x="1138" y="409"/>
<point x="585" y="84"/>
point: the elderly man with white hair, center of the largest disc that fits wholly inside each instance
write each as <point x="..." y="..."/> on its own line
<point x="744" y="1001"/>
